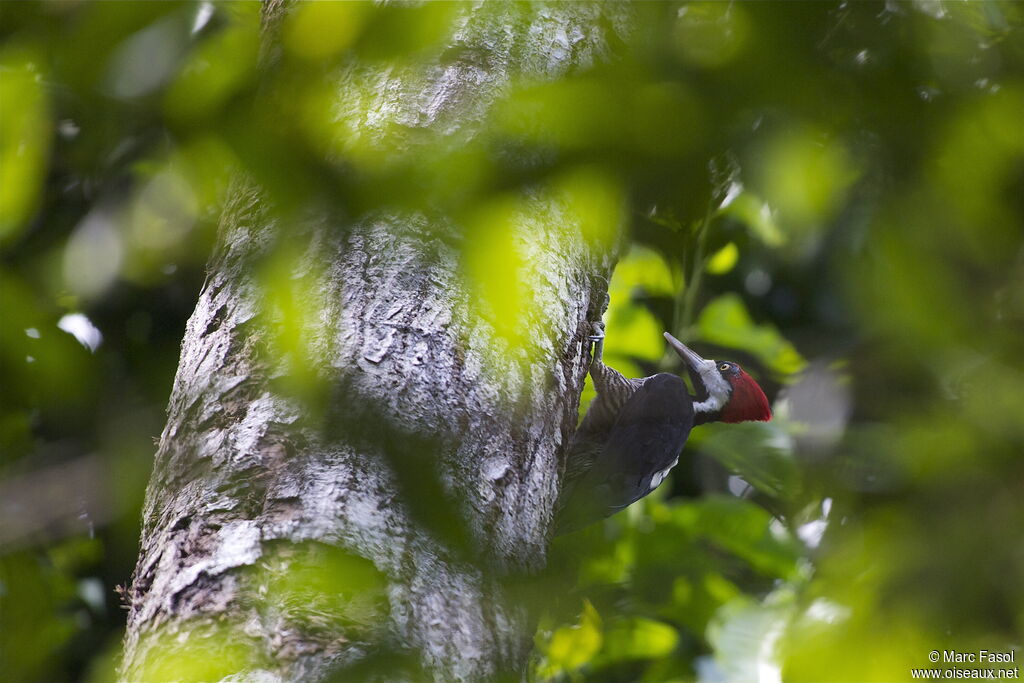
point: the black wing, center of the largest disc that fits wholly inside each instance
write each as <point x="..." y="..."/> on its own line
<point x="648" y="435"/>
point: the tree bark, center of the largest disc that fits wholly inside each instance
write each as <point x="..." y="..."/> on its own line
<point x="291" y="536"/>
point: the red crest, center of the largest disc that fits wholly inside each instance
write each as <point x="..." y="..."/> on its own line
<point x="747" y="401"/>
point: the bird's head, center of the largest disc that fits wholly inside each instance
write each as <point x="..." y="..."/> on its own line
<point x="725" y="392"/>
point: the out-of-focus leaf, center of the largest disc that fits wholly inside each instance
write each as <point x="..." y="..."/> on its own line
<point x="218" y="68"/>
<point x="161" y="220"/>
<point x="905" y="291"/>
<point x="611" y="566"/>
<point x="318" y="586"/>
<point x="756" y="215"/>
<point x="726" y="322"/>
<point x="94" y="254"/>
<point x="724" y="259"/>
<point x="571" y="113"/>
<point x="805" y="174"/>
<point x="745" y="636"/>
<point x="743" y="529"/>
<point x="146" y="60"/>
<point x="828" y="641"/>
<point x="210" y="653"/>
<point x="597" y="203"/>
<point x="75" y="553"/>
<point x="759" y="452"/>
<point x="400" y="32"/>
<point x="975" y="161"/>
<point x="36" y="596"/>
<point x="711" y="34"/>
<point x="496" y="268"/>
<point x="318" y="31"/>
<point x="632" y="330"/>
<point x="208" y="165"/>
<point x="292" y="300"/>
<point x="636" y="638"/>
<point x="667" y="119"/>
<point x="25" y="132"/>
<point x="573" y="647"/>
<point x="42" y="360"/>
<point x="643" y="269"/>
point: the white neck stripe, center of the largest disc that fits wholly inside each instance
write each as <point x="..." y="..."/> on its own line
<point x="718" y="389"/>
<point x="711" y="405"/>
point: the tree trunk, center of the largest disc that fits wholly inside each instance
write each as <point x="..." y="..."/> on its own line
<point x="355" y="462"/>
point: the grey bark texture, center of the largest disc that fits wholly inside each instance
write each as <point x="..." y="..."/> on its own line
<point x="429" y="472"/>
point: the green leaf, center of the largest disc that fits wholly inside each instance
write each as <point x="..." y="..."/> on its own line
<point x="752" y="450"/>
<point x="572" y="647"/>
<point x="743" y="529"/>
<point x="726" y="322"/>
<point x="25" y="132"/>
<point x="744" y="636"/>
<point x="637" y="638"/>
<point x="632" y="330"/>
<point x="642" y="268"/>
<point x="724" y="260"/>
<point x="216" y="70"/>
<point x="806" y="173"/>
<point x="751" y="211"/>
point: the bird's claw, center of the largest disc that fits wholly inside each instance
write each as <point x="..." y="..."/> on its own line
<point x="598" y="331"/>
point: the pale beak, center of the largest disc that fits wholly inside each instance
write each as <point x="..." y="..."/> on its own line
<point x="693" y="361"/>
<point x="694" y="365"/>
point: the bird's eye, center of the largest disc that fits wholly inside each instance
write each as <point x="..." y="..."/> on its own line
<point x="723" y="367"/>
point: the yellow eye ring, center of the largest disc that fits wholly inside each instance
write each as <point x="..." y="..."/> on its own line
<point x="723" y="367"/>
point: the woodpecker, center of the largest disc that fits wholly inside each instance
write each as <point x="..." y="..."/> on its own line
<point x="635" y="429"/>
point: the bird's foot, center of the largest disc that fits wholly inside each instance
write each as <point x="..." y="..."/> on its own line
<point x="597" y="339"/>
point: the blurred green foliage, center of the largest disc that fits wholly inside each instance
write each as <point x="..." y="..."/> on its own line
<point x="829" y="193"/>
